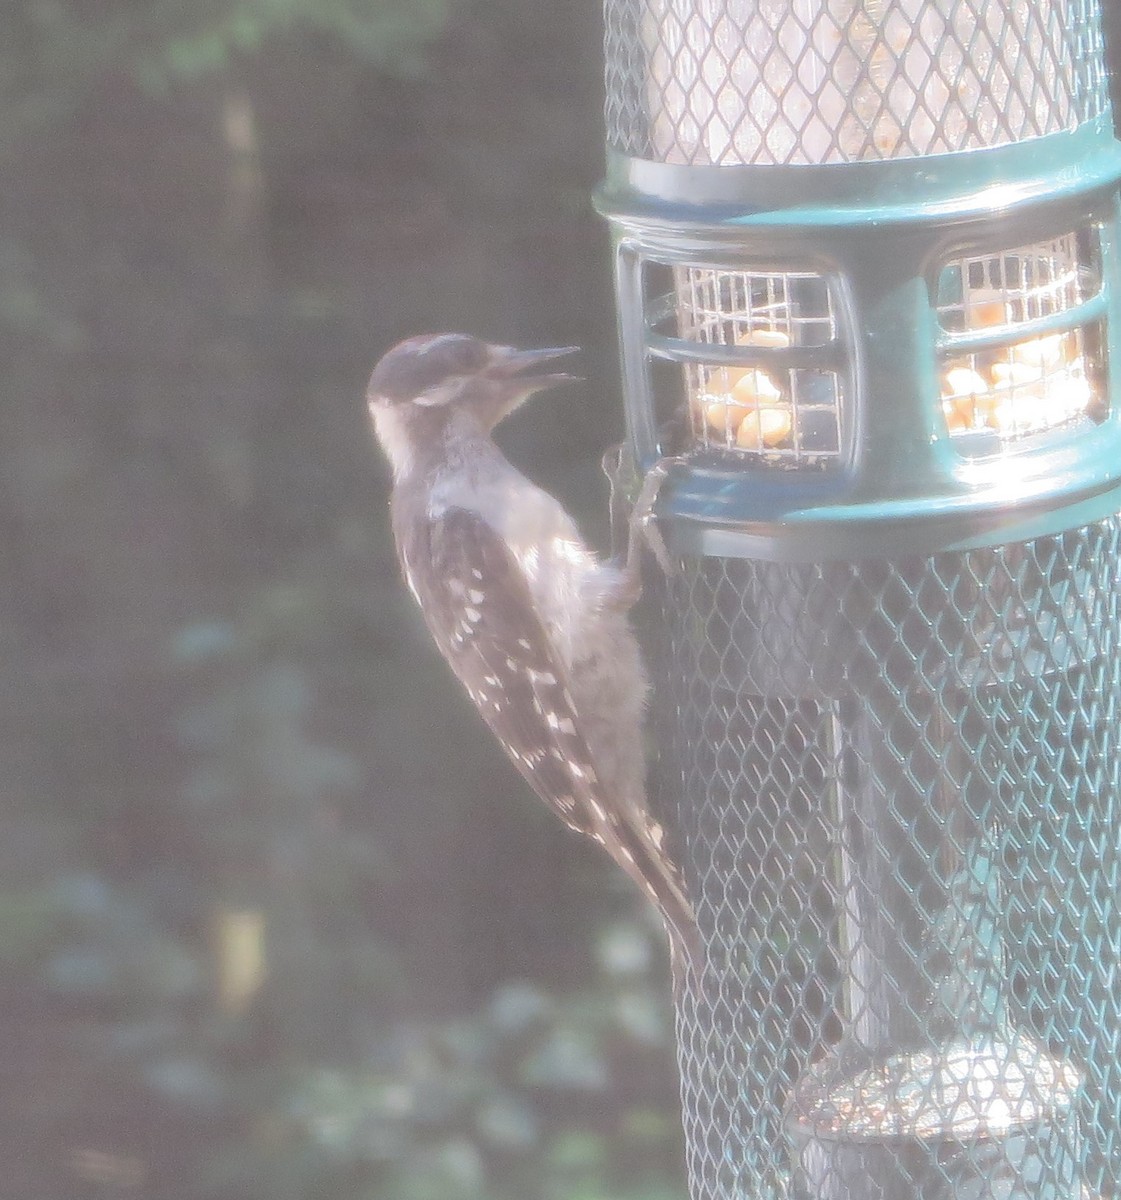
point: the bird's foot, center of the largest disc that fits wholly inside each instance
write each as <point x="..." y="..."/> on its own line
<point x="633" y="498"/>
<point x="644" y="528"/>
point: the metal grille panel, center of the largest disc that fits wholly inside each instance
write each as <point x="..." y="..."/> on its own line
<point x="1009" y="382"/>
<point x="898" y="790"/>
<point x="777" y="411"/>
<point x="816" y="81"/>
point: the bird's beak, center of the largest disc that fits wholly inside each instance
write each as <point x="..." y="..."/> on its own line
<point x="510" y="363"/>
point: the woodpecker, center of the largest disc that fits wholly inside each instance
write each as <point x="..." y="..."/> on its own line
<point x="530" y="620"/>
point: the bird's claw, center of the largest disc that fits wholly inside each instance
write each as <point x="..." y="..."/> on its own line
<point x="642" y="514"/>
<point x="633" y="497"/>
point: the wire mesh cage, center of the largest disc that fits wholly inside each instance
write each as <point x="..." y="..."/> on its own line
<point x="898" y="789"/>
<point x="815" y="81"/>
<point x="785" y="413"/>
<point x="1019" y="385"/>
<point x="867" y="272"/>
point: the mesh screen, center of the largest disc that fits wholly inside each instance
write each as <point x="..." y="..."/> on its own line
<point x="897" y="786"/>
<point x="785" y="414"/>
<point x="815" y="81"/>
<point x="1024" y="385"/>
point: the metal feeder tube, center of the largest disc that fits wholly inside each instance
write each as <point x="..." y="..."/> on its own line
<point x="867" y="274"/>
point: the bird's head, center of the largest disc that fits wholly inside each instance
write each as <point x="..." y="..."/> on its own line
<point x="424" y="382"/>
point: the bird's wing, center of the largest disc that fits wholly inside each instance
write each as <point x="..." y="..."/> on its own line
<point x="482" y="617"/>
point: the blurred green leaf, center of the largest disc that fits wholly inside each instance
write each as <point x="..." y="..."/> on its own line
<point x="519" y="1006"/>
<point x="578" y="1150"/>
<point x="202" y="641"/>
<point x="567" y="1060"/>
<point x="30" y="922"/>
<point x="505" y="1122"/>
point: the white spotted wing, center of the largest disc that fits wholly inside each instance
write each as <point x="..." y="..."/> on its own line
<point x="480" y="612"/>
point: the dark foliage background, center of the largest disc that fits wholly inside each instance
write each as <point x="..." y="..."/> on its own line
<point x="276" y="919"/>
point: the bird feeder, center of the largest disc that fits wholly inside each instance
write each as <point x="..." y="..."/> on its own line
<point x="868" y="283"/>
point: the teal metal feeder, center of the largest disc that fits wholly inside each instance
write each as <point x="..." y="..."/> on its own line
<point x="868" y="279"/>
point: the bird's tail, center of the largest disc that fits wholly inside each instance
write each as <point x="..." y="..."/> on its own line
<point x="664" y="886"/>
<point x="686" y="955"/>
